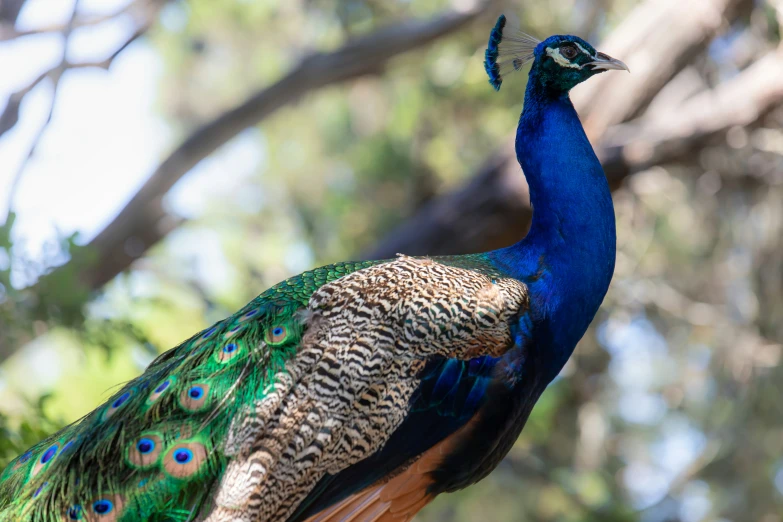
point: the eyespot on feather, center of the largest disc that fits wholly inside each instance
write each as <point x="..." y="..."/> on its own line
<point x="208" y="333"/>
<point x="68" y="446"/>
<point x="194" y="397"/>
<point x="204" y="336"/>
<point x="276" y="334"/>
<point x="117" y="403"/>
<point x="45" y="459"/>
<point x="228" y="352"/>
<point x="144" y="451"/>
<point x="250" y="314"/>
<point x="184" y="459"/>
<point x="160" y="389"/>
<point x="233" y="331"/>
<point x="21" y="461"/>
<point x="105" y="508"/>
<point x="102" y="507"/>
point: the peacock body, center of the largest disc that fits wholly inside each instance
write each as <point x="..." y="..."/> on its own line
<point x="357" y="391"/>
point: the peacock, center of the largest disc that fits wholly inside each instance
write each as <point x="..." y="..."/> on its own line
<point x="360" y="390"/>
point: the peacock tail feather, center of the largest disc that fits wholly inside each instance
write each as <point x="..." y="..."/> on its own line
<point x="152" y="450"/>
<point x="243" y="419"/>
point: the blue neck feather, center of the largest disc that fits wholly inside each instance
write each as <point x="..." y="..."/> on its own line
<point x="567" y="258"/>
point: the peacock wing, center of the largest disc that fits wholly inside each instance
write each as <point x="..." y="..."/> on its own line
<point x="378" y="343"/>
<point x="454" y="433"/>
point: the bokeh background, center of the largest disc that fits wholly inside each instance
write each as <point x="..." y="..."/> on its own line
<point x="162" y="162"/>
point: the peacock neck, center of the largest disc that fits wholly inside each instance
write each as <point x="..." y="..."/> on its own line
<point x="567" y="259"/>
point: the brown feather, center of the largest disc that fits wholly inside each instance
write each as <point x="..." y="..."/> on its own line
<point x="348" y="389"/>
<point x="402" y="497"/>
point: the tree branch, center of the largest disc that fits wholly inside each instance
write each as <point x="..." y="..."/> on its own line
<point x="493" y="208"/>
<point x="680" y="30"/>
<point x="10" y="115"/>
<point x="55" y="74"/>
<point x="9" y="11"/>
<point x="139" y="10"/>
<point x="740" y="101"/>
<point x="143" y="221"/>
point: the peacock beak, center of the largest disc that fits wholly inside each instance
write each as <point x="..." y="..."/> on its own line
<point x="604" y="62"/>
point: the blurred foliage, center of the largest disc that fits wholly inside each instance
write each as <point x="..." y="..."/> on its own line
<point x="670" y="408"/>
<point x="59" y="297"/>
<point x="16" y="436"/>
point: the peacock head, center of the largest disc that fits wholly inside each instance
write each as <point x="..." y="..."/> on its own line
<point x="562" y="62"/>
<point x="559" y="63"/>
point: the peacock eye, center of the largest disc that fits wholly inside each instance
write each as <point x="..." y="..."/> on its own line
<point x="276" y="335"/>
<point x="49" y="454"/>
<point x="145" y="446"/>
<point x="183" y="456"/>
<point x="102" y="506"/>
<point x="569" y="51"/>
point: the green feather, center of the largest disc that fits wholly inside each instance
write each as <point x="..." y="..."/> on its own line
<point x="154" y="450"/>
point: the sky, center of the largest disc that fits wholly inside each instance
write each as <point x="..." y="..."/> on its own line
<point x="105" y="137"/>
<point x="105" y="148"/>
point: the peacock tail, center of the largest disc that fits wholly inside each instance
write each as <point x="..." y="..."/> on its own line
<point x="152" y="450"/>
<point x="242" y="420"/>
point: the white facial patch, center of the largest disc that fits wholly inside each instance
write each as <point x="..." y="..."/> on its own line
<point x="560" y="59"/>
